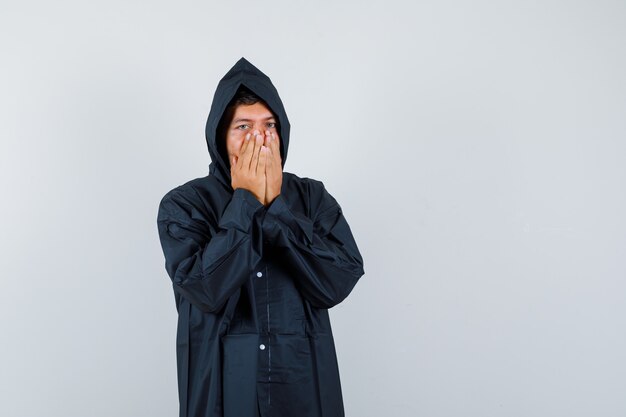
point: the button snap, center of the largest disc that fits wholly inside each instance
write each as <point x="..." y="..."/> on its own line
<point x="259" y="274"/>
<point x="262" y="346"/>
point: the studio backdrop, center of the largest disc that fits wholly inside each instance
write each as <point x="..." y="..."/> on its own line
<point x="476" y="148"/>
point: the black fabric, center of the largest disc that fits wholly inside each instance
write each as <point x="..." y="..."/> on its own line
<point x="246" y="275"/>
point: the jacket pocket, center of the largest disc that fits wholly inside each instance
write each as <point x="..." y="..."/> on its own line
<point x="291" y="359"/>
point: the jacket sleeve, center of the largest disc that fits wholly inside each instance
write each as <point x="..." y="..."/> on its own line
<point x="320" y="251"/>
<point x="207" y="269"/>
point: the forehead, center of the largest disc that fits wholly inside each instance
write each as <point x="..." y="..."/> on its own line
<point x="252" y="111"/>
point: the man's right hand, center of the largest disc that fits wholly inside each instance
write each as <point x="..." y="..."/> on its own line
<point x="248" y="170"/>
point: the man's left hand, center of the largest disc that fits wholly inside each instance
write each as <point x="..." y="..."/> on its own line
<point x="273" y="168"/>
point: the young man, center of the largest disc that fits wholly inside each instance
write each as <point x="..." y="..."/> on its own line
<point x="256" y="256"/>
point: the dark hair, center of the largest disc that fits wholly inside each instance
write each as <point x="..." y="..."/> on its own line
<point x="243" y="96"/>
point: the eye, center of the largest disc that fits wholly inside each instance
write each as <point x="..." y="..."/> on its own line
<point x="241" y="126"/>
<point x="273" y="124"/>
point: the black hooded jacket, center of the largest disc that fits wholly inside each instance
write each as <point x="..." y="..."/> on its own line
<point x="252" y="283"/>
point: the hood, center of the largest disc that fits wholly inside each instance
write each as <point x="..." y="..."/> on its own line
<point x="242" y="73"/>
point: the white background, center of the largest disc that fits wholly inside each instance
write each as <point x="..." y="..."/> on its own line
<point x="476" y="148"/>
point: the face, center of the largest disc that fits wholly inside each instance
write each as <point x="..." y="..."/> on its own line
<point x="247" y="119"/>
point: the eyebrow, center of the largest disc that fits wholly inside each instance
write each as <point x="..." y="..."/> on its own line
<point x="249" y="120"/>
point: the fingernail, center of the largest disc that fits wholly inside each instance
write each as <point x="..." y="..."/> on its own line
<point x="248" y="136"/>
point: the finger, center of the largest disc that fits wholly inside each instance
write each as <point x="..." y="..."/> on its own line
<point x="271" y="141"/>
<point x="258" y="143"/>
<point x="242" y="149"/>
<point x="249" y="153"/>
<point x="275" y="147"/>
<point x="269" y="161"/>
<point x="263" y="152"/>
<point x="266" y="142"/>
